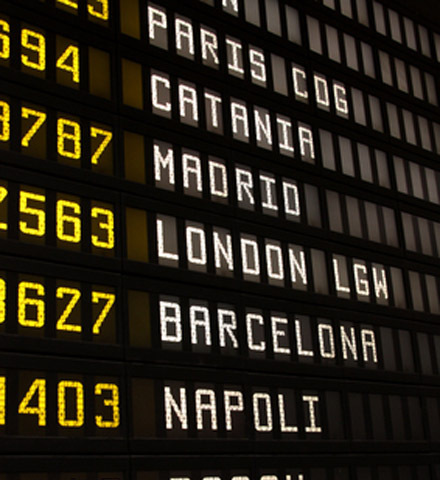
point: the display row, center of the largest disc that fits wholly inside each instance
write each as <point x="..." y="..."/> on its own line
<point x="243" y="411"/>
<point x="46" y="55"/>
<point x="208" y="110"/>
<point x="216" y="325"/>
<point x="182" y="168"/>
<point x="260" y="258"/>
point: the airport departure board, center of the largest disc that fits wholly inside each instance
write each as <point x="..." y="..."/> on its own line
<point x="219" y="240"/>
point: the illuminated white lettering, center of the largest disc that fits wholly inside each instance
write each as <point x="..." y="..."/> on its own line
<point x="291" y="199"/>
<point x="299" y="342"/>
<point x="348" y="341"/>
<point x="156" y="19"/>
<point x="192" y="166"/>
<point x="257" y="400"/>
<point x="297" y="266"/>
<point x="215" y="189"/>
<point x="161" y="163"/>
<point x="250" y="257"/>
<point x="184" y="30"/>
<point x="250" y="319"/>
<point x="258" y="67"/>
<point x="223" y="251"/>
<point x="368" y="340"/>
<point x="263" y="128"/>
<point x="245" y="185"/>
<point x="157" y="80"/>
<point x="227" y="326"/>
<point x="170" y="318"/>
<point x="209" y="44"/>
<point x="180" y="409"/>
<point x="209" y="405"/>
<point x="325" y="330"/>
<point x="237" y="406"/>
<point x="199" y="319"/>
<point x="279" y="333"/>
<point x="188" y="97"/>
<point x="239" y="115"/>
<point x="362" y="285"/>
<point x="339" y="286"/>
<point x="312" y="401"/>
<point x="282" y="410"/>
<point x="196" y="245"/>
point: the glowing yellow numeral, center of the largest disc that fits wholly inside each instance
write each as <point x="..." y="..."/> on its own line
<point x="110" y="300"/>
<point x="63" y="62"/>
<point x="40" y="119"/>
<point x="39" y="213"/>
<point x="39" y="385"/>
<point x="103" y="14"/>
<point x="74" y="136"/>
<point x="94" y="132"/>
<point x="2" y="300"/>
<point x="2" y="400"/>
<point x="37" y="303"/>
<point x="108" y="226"/>
<point x="27" y="36"/>
<point x="69" y="3"/>
<point x="109" y="402"/>
<point x="5" y="119"/>
<point x="62" y="414"/>
<point x="76" y="295"/>
<point x="3" y="195"/>
<point x="63" y="220"/>
<point x="5" y="50"/>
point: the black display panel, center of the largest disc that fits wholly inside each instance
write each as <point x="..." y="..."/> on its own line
<point x="219" y="240"/>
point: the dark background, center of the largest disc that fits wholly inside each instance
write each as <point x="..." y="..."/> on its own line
<point x="428" y="9"/>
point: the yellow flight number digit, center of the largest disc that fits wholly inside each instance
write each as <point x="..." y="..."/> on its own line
<point x="3" y="195"/>
<point x="69" y="138"/>
<point x="5" y="121"/>
<point x="36" y="42"/>
<point x="75" y="295"/>
<point x="102" y="13"/>
<point x="38" y="304"/>
<point x="5" y="41"/>
<point x="108" y="226"/>
<point x="69" y="61"/>
<point x="68" y="226"/>
<point x="62" y="404"/>
<point x="107" y="138"/>
<point x="69" y="3"/>
<point x="109" y="302"/>
<point x="2" y="400"/>
<point x="40" y="118"/>
<point x="112" y="402"/>
<point x="39" y="213"/>
<point x="2" y="301"/>
<point x="37" y="388"/>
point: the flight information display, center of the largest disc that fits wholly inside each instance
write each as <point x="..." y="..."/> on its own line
<point x="219" y="240"/>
